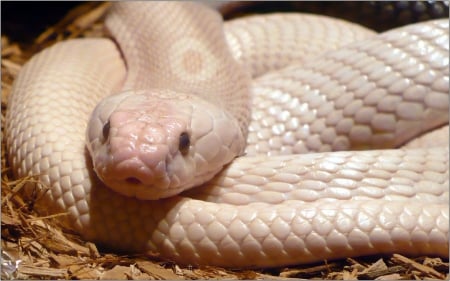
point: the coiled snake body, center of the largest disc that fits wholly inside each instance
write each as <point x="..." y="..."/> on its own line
<point x="179" y="111"/>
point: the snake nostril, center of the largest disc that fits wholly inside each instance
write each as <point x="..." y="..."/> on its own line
<point x="106" y="129"/>
<point x="133" y="180"/>
<point x="184" y="143"/>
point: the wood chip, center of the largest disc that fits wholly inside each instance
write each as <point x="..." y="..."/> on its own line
<point x="379" y="265"/>
<point x="118" y="272"/>
<point x="32" y="270"/>
<point x="437" y="264"/>
<point x="87" y="20"/>
<point x="83" y="271"/>
<point x="11" y="50"/>
<point x="394" y="276"/>
<point x="12" y="67"/>
<point x="45" y="35"/>
<point x="156" y="271"/>
<point x="93" y="251"/>
<point x="62" y="260"/>
<point x="420" y="267"/>
<point x="347" y="275"/>
<point x="5" y="41"/>
<point x="303" y="273"/>
<point x="375" y="273"/>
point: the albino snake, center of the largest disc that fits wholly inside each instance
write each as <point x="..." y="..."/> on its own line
<point x="377" y="91"/>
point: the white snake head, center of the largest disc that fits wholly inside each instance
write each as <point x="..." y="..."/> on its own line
<point x="153" y="144"/>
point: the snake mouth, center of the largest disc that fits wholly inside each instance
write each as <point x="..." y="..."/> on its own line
<point x="133" y="181"/>
<point x="133" y="187"/>
<point x="157" y="184"/>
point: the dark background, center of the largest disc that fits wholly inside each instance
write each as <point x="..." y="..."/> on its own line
<point x="23" y="21"/>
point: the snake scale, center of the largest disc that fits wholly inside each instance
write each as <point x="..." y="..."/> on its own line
<point x="268" y="114"/>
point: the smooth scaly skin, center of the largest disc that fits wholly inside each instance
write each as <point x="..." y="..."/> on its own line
<point x="189" y="63"/>
<point x="388" y="200"/>
<point x="367" y="95"/>
<point x="266" y="43"/>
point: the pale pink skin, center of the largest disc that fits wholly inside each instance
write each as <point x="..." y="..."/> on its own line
<point x="140" y="156"/>
<point x="56" y="92"/>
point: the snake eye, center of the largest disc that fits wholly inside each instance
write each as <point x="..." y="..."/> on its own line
<point x="184" y="144"/>
<point x="106" y="128"/>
